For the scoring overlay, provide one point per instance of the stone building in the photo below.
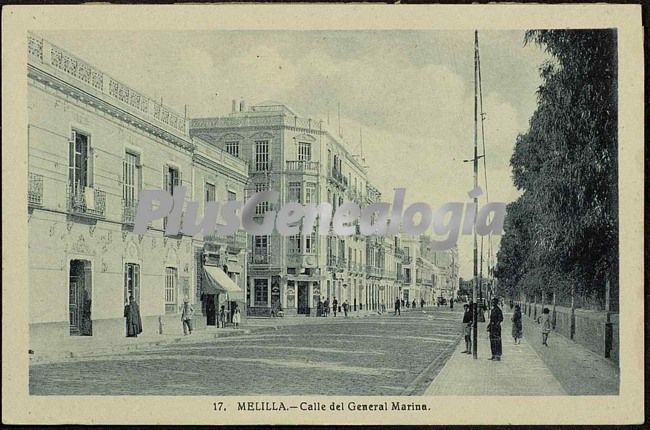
(305, 163)
(93, 144)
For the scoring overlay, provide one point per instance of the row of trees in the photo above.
(561, 234)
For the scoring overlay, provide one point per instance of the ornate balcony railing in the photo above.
(237, 240)
(129, 210)
(88, 202)
(260, 258)
(43, 52)
(35, 190)
(302, 166)
(338, 177)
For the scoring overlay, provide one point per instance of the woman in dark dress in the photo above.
(517, 327)
(133, 320)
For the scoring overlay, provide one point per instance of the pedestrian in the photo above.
(187, 312)
(517, 328)
(222, 316)
(335, 304)
(413, 304)
(345, 308)
(326, 307)
(467, 328)
(451, 304)
(421, 303)
(494, 328)
(397, 306)
(545, 319)
(133, 320)
(236, 319)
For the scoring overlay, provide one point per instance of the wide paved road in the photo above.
(378, 355)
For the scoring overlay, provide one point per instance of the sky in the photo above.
(409, 93)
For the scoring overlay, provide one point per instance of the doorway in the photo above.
(80, 298)
(210, 310)
(303, 298)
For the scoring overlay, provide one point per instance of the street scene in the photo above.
(463, 191)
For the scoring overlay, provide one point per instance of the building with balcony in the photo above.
(93, 144)
(306, 163)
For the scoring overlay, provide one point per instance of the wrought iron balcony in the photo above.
(236, 241)
(129, 210)
(87, 202)
(35, 190)
(338, 177)
(302, 166)
(260, 258)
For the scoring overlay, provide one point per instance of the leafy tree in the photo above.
(565, 224)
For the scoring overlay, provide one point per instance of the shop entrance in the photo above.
(80, 298)
(303, 298)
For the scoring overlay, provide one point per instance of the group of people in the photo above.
(326, 310)
(134, 320)
(494, 327)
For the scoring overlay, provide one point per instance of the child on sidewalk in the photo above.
(545, 320)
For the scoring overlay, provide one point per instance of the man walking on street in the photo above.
(345, 308)
(397, 306)
(187, 312)
(335, 304)
(494, 328)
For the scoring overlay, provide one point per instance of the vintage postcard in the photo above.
(323, 214)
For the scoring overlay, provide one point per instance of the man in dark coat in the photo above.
(397, 306)
(133, 320)
(494, 329)
(335, 304)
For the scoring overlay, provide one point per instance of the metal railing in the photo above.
(260, 258)
(79, 202)
(35, 190)
(302, 166)
(237, 240)
(129, 210)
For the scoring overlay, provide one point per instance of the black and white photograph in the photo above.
(366, 222)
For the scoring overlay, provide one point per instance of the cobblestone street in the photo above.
(377, 355)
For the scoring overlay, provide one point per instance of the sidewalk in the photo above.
(89, 346)
(521, 371)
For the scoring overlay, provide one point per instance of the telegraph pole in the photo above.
(474, 298)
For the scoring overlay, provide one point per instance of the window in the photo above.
(131, 282)
(310, 192)
(261, 207)
(172, 178)
(294, 192)
(81, 162)
(294, 244)
(261, 294)
(329, 160)
(260, 249)
(232, 196)
(210, 192)
(232, 148)
(132, 171)
(310, 243)
(171, 286)
(304, 151)
(262, 155)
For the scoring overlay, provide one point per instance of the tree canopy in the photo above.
(562, 232)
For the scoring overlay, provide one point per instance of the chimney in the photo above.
(242, 106)
(234, 105)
